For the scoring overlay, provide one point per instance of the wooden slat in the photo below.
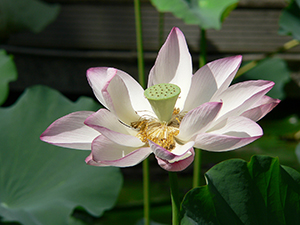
(111, 27)
(93, 33)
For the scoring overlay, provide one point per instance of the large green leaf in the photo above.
(204, 13)
(8, 72)
(19, 15)
(41, 183)
(289, 22)
(274, 69)
(259, 192)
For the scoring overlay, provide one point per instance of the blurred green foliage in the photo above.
(20, 15)
(205, 13)
(41, 183)
(289, 23)
(8, 73)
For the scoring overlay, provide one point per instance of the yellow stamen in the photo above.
(161, 133)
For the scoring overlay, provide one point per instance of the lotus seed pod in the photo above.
(162, 98)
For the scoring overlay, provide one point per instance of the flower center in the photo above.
(161, 133)
(162, 98)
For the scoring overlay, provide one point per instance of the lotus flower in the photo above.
(178, 111)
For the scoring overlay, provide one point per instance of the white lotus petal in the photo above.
(136, 93)
(198, 119)
(71, 132)
(173, 65)
(233, 133)
(109, 126)
(131, 159)
(98, 78)
(105, 149)
(111, 87)
(241, 96)
(261, 108)
(117, 99)
(104, 118)
(107, 152)
(224, 70)
(178, 165)
(212, 78)
(178, 153)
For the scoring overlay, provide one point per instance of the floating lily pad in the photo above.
(41, 183)
(259, 192)
(8, 73)
(204, 13)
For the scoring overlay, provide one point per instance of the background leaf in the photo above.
(289, 22)
(237, 192)
(41, 183)
(274, 69)
(8, 73)
(298, 151)
(204, 13)
(20, 15)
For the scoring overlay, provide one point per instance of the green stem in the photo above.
(197, 168)
(139, 42)
(174, 198)
(288, 45)
(202, 57)
(141, 76)
(198, 153)
(146, 186)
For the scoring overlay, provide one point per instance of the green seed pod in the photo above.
(162, 98)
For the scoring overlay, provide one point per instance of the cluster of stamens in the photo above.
(161, 133)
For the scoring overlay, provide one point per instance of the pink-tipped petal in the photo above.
(198, 119)
(98, 77)
(108, 125)
(239, 97)
(232, 133)
(121, 139)
(224, 70)
(89, 160)
(173, 65)
(117, 99)
(111, 87)
(179, 153)
(178, 165)
(104, 118)
(131, 159)
(136, 93)
(261, 108)
(105, 149)
(211, 78)
(108, 153)
(71, 132)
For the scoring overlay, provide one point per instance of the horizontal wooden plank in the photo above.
(93, 33)
(111, 27)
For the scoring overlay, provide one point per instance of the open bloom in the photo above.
(177, 112)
